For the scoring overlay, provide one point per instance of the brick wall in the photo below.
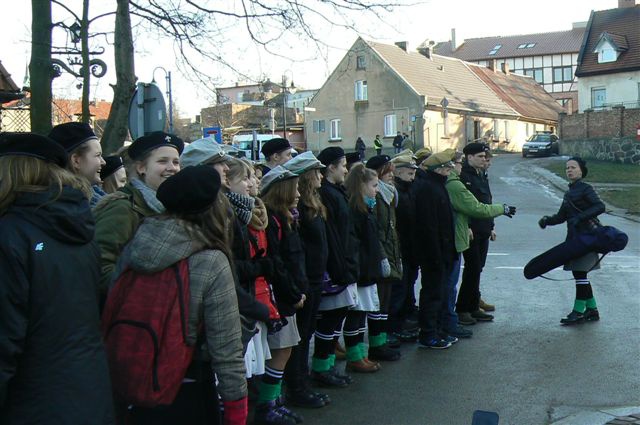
(623, 149)
(617, 122)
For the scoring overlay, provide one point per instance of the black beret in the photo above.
(203, 183)
(475, 148)
(70, 135)
(330, 155)
(34, 145)
(275, 145)
(581, 163)
(378, 161)
(352, 157)
(112, 164)
(149, 142)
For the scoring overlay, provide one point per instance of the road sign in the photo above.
(215, 132)
(147, 110)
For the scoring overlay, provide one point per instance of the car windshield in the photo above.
(541, 138)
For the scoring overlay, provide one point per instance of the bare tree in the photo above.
(40, 70)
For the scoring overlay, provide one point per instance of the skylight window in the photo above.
(495, 49)
(526, 45)
(522, 46)
(530, 45)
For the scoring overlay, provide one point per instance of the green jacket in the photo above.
(385, 212)
(467, 206)
(118, 216)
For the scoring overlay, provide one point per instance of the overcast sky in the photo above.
(308, 65)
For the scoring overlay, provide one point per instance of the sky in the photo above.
(308, 64)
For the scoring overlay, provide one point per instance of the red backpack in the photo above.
(144, 325)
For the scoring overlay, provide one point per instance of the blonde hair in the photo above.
(357, 178)
(280, 196)
(28, 174)
(310, 196)
(238, 169)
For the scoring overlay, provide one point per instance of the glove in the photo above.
(543, 222)
(509, 211)
(236, 412)
(386, 267)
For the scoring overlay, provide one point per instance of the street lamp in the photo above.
(286, 90)
(167, 75)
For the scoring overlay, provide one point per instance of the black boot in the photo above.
(573, 318)
(591, 315)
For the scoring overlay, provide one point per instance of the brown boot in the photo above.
(486, 307)
(361, 366)
(373, 362)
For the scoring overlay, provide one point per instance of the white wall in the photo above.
(621, 87)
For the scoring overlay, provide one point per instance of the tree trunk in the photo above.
(40, 68)
(117, 127)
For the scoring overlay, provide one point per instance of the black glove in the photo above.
(509, 211)
(543, 222)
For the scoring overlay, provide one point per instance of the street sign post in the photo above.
(215, 132)
(147, 110)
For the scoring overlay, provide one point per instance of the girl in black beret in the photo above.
(154, 158)
(49, 268)
(113, 174)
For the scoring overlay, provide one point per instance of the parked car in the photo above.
(540, 144)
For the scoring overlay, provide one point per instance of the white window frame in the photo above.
(361, 92)
(390, 125)
(594, 91)
(361, 62)
(607, 54)
(336, 129)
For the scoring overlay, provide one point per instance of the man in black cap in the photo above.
(276, 152)
(469, 306)
(353, 158)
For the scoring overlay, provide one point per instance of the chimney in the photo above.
(454, 46)
(626, 3)
(493, 65)
(577, 25)
(402, 45)
(426, 49)
(505, 68)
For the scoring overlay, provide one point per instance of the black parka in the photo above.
(370, 253)
(313, 231)
(478, 184)
(343, 262)
(53, 368)
(434, 232)
(405, 219)
(580, 204)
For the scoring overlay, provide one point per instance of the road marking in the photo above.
(507, 267)
(498, 253)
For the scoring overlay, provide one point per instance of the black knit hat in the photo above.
(155, 140)
(581, 163)
(203, 183)
(274, 146)
(331, 154)
(34, 145)
(112, 164)
(475, 148)
(352, 157)
(70, 135)
(378, 161)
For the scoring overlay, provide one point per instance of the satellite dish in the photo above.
(147, 110)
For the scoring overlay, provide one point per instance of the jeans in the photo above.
(449, 315)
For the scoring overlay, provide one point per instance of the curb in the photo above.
(561, 184)
(622, 415)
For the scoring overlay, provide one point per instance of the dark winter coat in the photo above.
(53, 368)
(478, 184)
(313, 231)
(434, 232)
(583, 198)
(343, 263)
(405, 219)
(289, 280)
(385, 212)
(368, 248)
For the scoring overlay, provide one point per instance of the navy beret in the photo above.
(475, 148)
(352, 157)
(70, 135)
(155, 140)
(203, 183)
(275, 145)
(330, 155)
(378, 161)
(112, 164)
(34, 145)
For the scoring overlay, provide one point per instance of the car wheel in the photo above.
(524, 155)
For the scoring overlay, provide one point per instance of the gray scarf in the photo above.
(149, 195)
(242, 205)
(388, 193)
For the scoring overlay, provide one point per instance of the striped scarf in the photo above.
(242, 206)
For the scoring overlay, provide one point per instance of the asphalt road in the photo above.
(524, 365)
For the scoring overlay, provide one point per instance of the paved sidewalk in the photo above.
(629, 415)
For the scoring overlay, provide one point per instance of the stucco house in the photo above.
(441, 102)
(609, 60)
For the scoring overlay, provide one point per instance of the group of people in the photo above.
(325, 247)
(400, 141)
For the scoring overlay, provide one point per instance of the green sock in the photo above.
(580, 305)
(591, 303)
(320, 365)
(354, 353)
(332, 360)
(268, 392)
(363, 349)
(377, 340)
